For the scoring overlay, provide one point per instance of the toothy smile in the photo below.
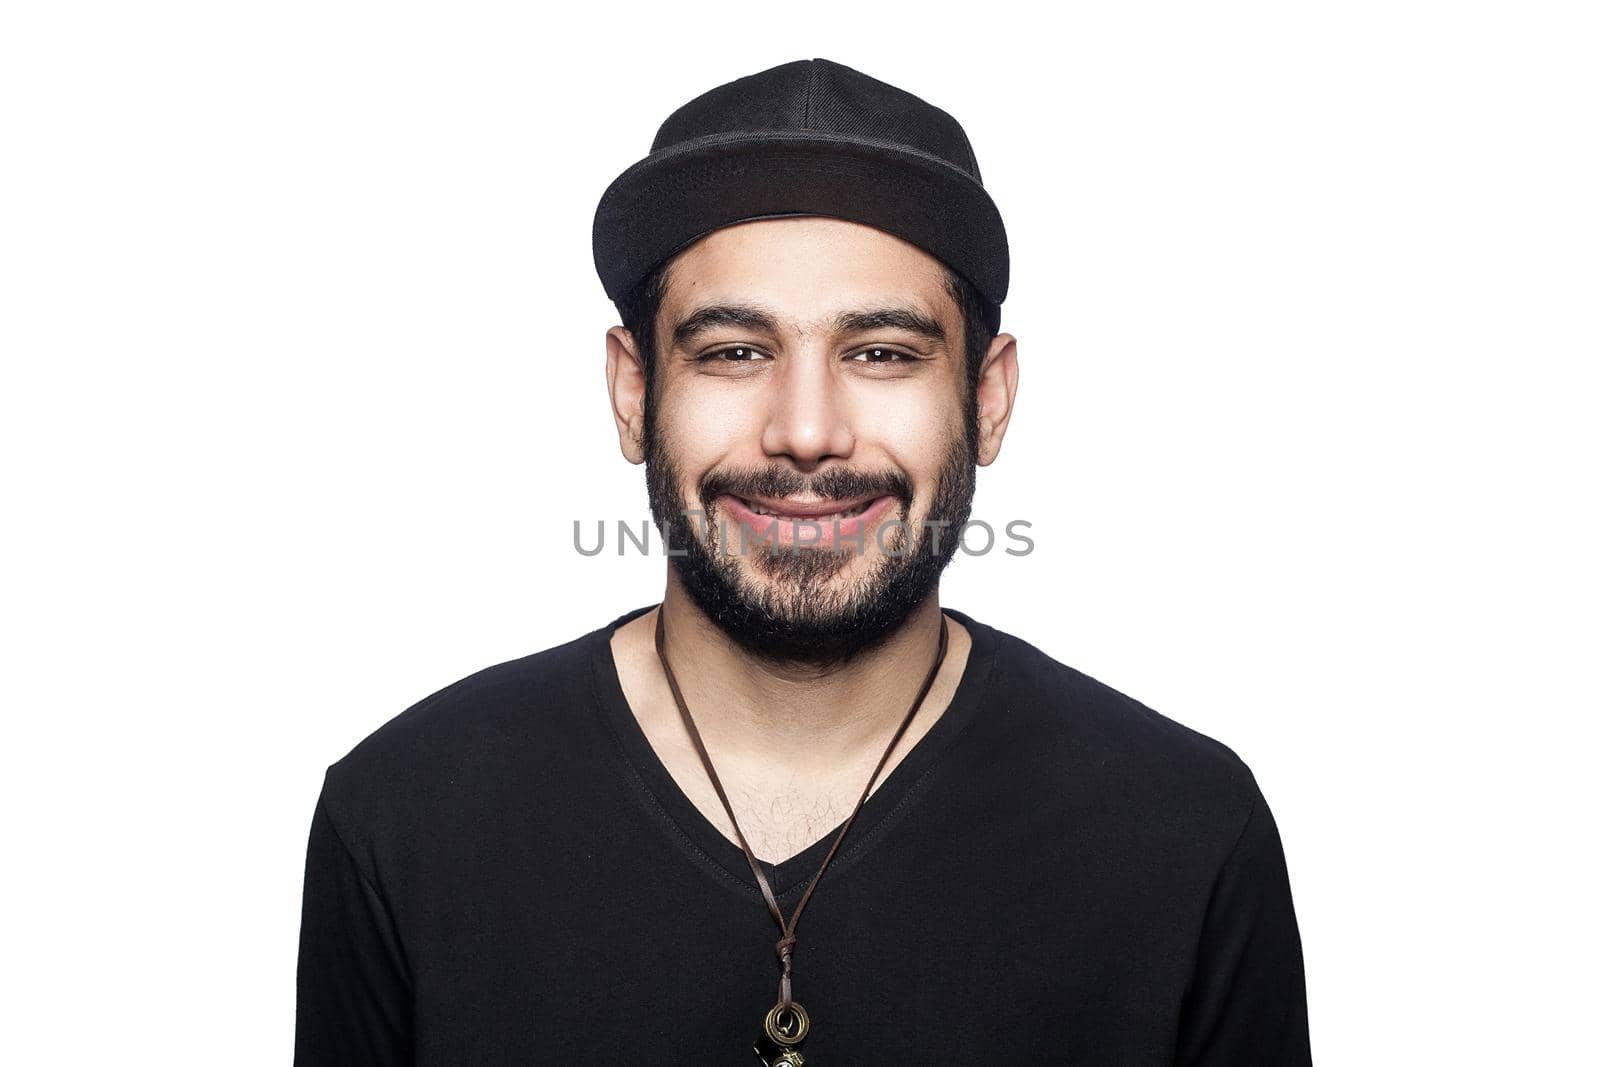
(797, 511)
(819, 521)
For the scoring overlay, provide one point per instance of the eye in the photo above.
(879, 354)
(732, 354)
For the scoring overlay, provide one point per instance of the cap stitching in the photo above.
(811, 84)
(766, 136)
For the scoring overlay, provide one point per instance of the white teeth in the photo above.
(856, 510)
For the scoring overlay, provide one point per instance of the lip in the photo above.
(808, 523)
(806, 509)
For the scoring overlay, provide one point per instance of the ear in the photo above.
(997, 392)
(624, 378)
(625, 383)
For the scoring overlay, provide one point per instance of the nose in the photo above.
(807, 418)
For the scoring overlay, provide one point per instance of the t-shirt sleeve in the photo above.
(353, 1002)
(1246, 1004)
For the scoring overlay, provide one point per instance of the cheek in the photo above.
(915, 433)
(703, 428)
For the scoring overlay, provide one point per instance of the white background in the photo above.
(303, 388)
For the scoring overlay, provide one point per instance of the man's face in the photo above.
(811, 416)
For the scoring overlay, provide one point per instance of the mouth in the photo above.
(794, 510)
(801, 522)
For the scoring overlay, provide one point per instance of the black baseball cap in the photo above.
(811, 137)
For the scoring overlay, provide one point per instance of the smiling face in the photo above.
(812, 439)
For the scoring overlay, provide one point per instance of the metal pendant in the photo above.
(785, 1026)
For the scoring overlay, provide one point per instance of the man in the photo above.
(603, 852)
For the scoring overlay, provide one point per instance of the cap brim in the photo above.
(671, 198)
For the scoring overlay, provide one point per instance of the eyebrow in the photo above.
(750, 317)
(892, 318)
(714, 315)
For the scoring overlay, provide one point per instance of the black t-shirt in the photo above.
(506, 873)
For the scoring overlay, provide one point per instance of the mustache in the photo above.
(779, 482)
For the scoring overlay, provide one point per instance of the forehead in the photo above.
(806, 269)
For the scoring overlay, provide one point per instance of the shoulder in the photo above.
(1100, 745)
(465, 739)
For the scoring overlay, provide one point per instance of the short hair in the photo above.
(642, 306)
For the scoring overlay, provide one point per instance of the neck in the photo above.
(754, 711)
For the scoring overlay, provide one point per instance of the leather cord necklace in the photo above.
(787, 1024)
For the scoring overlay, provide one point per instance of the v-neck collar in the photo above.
(708, 843)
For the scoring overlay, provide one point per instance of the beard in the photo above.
(799, 618)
